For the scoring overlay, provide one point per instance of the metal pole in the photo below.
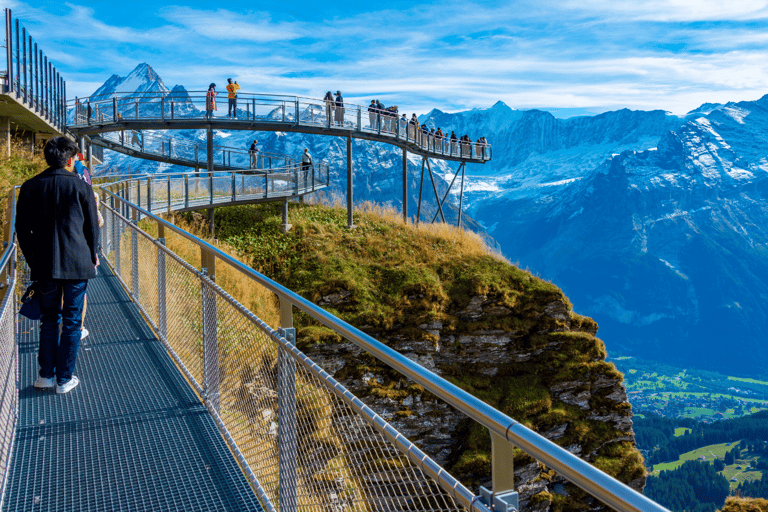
(461, 194)
(162, 313)
(18, 67)
(286, 406)
(434, 189)
(350, 223)
(9, 48)
(405, 185)
(135, 259)
(24, 61)
(210, 340)
(209, 150)
(421, 187)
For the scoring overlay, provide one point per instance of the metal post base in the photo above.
(506, 501)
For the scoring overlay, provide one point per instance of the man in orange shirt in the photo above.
(232, 89)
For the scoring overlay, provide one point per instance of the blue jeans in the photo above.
(60, 301)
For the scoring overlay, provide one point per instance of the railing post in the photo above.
(136, 101)
(297, 111)
(9, 48)
(210, 335)
(502, 497)
(114, 108)
(186, 190)
(162, 313)
(359, 119)
(234, 187)
(296, 180)
(135, 259)
(162, 108)
(149, 194)
(117, 235)
(286, 406)
(169, 194)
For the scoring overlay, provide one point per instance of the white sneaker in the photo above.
(43, 383)
(84, 333)
(68, 386)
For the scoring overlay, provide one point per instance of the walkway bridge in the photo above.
(191, 401)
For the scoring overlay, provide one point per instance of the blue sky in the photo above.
(566, 56)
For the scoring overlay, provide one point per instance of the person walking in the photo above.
(232, 89)
(210, 101)
(254, 152)
(57, 229)
(339, 109)
(330, 104)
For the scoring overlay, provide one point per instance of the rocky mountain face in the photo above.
(665, 247)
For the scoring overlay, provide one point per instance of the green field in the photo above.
(751, 381)
(706, 453)
(679, 431)
(709, 454)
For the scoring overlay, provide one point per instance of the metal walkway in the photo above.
(133, 436)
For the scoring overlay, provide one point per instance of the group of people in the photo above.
(435, 140)
(210, 99)
(382, 118)
(334, 108)
(57, 228)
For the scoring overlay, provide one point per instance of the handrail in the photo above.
(592, 480)
(116, 111)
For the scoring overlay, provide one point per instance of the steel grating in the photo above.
(132, 436)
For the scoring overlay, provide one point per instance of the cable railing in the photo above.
(31, 77)
(251, 108)
(229, 349)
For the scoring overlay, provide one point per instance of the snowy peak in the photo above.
(142, 79)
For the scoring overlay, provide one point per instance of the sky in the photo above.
(569, 57)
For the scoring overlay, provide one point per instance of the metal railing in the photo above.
(31, 77)
(9, 352)
(278, 109)
(233, 359)
(165, 192)
(193, 154)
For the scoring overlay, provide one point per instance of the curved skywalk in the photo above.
(260, 112)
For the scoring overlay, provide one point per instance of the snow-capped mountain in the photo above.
(653, 224)
(666, 247)
(141, 80)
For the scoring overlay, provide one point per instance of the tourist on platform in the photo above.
(330, 105)
(339, 109)
(403, 126)
(431, 139)
(254, 152)
(439, 139)
(210, 101)
(57, 229)
(413, 124)
(373, 114)
(306, 160)
(424, 135)
(232, 89)
(454, 140)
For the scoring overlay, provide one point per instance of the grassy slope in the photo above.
(401, 277)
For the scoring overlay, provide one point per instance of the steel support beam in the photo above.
(405, 185)
(350, 220)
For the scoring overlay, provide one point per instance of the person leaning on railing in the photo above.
(330, 104)
(339, 109)
(57, 229)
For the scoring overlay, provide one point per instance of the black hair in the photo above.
(212, 85)
(58, 151)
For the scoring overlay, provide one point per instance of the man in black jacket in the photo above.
(58, 231)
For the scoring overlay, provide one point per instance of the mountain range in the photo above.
(653, 224)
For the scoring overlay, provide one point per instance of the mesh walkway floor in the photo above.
(132, 436)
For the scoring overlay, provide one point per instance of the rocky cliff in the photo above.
(502, 334)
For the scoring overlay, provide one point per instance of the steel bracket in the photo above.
(505, 501)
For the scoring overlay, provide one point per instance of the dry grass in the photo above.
(745, 505)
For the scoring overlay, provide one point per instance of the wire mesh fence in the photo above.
(299, 433)
(9, 366)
